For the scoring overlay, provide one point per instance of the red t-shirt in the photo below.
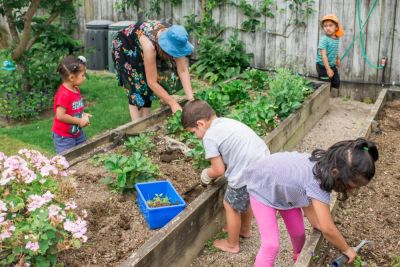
(73, 103)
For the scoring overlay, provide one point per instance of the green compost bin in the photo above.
(112, 32)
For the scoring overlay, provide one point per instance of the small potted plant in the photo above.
(159, 202)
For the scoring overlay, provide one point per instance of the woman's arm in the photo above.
(150, 66)
(329, 230)
(183, 73)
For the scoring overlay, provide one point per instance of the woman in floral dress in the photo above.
(138, 52)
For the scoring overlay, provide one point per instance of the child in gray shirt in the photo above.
(230, 146)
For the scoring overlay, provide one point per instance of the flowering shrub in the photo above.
(37, 220)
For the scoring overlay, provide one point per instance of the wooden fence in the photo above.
(298, 48)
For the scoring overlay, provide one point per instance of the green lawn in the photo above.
(106, 101)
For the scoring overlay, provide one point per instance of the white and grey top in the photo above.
(284, 181)
(237, 144)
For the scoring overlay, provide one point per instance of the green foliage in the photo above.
(218, 61)
(395, 261)
(140, 143)
(287, 91)
(153, 10)
(257, 79)
(29, 90)
(358, 261)
(173, 125)
(209, 243)
(259, 114)
(224, 95)
(129, 170)
(197, 153)
(159, 201)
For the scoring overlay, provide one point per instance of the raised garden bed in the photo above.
(373, 214)
(116, 228)
(310, 254)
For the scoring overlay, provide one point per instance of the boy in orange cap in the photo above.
(328, 59)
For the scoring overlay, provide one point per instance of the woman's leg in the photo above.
(134, 112)
(293, 219)
(144, 112)
(269, 233)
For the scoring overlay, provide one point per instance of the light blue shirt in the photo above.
(332, 49)
(284, 181)
(237, 144)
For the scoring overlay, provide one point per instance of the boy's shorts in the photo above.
(63, 143)
(237, 198)
(323, 76)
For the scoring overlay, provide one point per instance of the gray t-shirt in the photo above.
(284, 181)
(237, 144)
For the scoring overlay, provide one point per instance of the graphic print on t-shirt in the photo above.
(75, 129)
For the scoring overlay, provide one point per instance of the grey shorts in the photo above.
(237, 198)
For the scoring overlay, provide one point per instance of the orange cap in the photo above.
(339, 32)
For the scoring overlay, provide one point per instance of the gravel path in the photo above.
(344, 120)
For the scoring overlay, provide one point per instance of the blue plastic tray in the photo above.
(160, 216)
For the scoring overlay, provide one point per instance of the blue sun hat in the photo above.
(175, 41)
(8, 65)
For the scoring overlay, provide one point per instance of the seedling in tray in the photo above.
(160, 201)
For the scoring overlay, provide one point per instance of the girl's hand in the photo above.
(330, 73)
(86, 117)
(83, 122)
(351, 254)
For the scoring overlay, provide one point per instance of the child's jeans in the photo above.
(269, 231)
(323, 76)
(63, 143)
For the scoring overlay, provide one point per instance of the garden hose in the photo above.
(361, 26)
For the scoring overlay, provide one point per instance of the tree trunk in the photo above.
(21, 48)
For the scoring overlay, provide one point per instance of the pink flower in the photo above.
(70, 205)
(54, 210)
(46, 170)
(36, 201)
(34, 246)
(3, 206)
(60, 162)
(7, 230)
(76, 228)
(7, 175)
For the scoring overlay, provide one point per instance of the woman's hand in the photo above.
(175, 106)
(351, 254)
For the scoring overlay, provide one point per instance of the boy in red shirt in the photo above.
(68, 105)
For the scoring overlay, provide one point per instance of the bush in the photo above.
(36, 219)
(25, 94)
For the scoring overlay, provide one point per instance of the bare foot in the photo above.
(223, 245)
(242, 234)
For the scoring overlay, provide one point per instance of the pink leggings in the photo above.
(269, 231)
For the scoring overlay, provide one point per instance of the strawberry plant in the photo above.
(173, 125)
(140, 143)
(257, 79)
(197, 153)
(129, 170)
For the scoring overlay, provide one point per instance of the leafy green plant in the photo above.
(257, 79)
(358, 261)
(287, 92)
(173, 125)
(140, 143)
(395, 261)
(217, 62)
(160, 201)
(38, 219)
(197, 153)
(99, 159)
(129, 170)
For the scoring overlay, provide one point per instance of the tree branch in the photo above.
(20, 49)
(11, 24)
(37, 34)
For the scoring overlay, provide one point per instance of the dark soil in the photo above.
(374, 213)
(115, 226)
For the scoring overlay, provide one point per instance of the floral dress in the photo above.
(127, 55)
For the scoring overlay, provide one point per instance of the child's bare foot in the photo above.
(242, 234)
(223, 245)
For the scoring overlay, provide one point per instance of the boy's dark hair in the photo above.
(196, 110)
(70, 65)
(351, 161)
